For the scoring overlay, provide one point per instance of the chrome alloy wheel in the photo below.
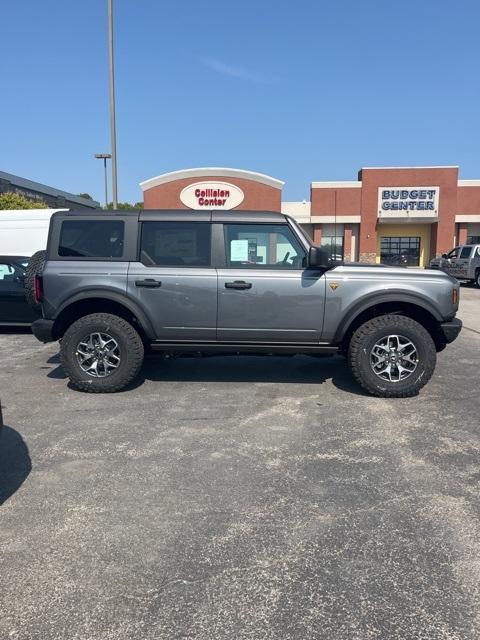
(394, 358)
(98, 355)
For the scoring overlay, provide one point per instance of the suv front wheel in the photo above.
(392, 356)
(101, 353)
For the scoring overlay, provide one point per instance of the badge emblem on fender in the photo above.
(334, 285)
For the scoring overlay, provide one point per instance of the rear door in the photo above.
(265, 293)
(173, 280)
(13, 305)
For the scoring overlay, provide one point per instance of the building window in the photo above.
(334, 246)
(400, 251)
(473, 240)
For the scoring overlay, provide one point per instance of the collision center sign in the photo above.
(411, 200)
(211, 195)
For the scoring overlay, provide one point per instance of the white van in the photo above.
(24, 231)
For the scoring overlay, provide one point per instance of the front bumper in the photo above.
(451, 329)
(43, 330)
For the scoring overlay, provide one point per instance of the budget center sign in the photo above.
(211, 195)
(411, 201)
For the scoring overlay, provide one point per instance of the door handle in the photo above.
(149, 283)
(238, 284)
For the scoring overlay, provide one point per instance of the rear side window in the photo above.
(465, 252)
(91, 239)
(176, 244)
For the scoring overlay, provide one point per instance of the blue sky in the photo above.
(301, 90)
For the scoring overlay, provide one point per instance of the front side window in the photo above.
(91, 239)
(263, 246)
(465, 252)
(9, 276)
(453, 253)
(172, 244)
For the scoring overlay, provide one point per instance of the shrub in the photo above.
(11, 200)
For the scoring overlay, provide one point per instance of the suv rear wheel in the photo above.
(101, 353)
(392, 356)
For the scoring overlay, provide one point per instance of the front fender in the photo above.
(351, 313)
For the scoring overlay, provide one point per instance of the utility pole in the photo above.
(113, 131)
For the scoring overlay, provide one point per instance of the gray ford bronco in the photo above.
(115, 285)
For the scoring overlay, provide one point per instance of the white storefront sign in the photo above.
(211, 195)
(410, 201)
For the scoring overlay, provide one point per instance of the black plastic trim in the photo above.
(363, 305)
(43, 330)
(451, 329)
(243, 347)
(102, 294)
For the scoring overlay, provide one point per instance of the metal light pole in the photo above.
(113, 131)
(104, 157)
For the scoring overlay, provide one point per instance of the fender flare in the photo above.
(352, 313)
(114, 296)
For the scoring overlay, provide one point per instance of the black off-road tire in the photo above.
(130, 346)
(35, 265)
(368, 334)
(477, 278)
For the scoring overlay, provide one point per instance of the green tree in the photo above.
(11, 200)
(126, 206)
(85, 195)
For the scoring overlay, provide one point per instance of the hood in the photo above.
(385, 272)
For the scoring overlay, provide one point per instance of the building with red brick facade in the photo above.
(396, 215)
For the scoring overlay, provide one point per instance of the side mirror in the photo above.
(444, 255)
(318, 257)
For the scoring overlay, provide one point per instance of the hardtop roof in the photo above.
(182, 214)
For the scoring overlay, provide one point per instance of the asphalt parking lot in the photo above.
(240, 498)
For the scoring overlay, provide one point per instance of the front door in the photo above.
(265, 293)
(459, 268)
(13, 305)
(174, 282)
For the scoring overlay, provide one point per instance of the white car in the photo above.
(24, 231)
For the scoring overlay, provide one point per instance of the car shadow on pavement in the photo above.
(15, 462)
(276, 369)
(13, 330)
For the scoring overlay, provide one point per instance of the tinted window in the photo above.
(182, 244)
(465, 252)
(263, 245)
(91, 239)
